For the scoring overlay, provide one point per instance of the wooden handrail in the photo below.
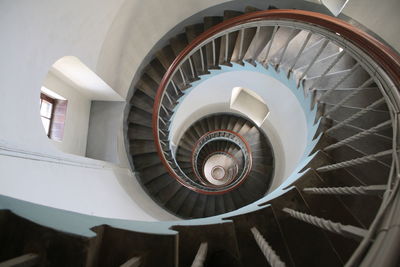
(382, 55)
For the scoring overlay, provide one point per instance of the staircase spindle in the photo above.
(182, 76)
(191, 67)
(203, 66)
(226, 47)
(241, 34)
(214, 52)
(271, 256)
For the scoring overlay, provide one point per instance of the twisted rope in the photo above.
(345, 99)
(330, 90)
(358, 136)
(353, 190)
(321, 223)
(356, 115)
(271, 256)
(353, 162)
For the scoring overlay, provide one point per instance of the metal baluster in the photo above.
(335, 227)
(316, 82)
(354, 162)
(161, 119)
(292, 35)
(356, 115)
(226, 47)
(175, 88)
(345, 99)
(192, 68)
(241, 34)
(351, 190)
(169, 99)
(269, 45)
(359, 135)
(165, 110)
(202, 60)
(351, 72)
(183, 76)
(299, 53)
(321, 49)
(271, 256)
(201, 255)
(214, 53)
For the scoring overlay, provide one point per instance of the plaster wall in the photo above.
(105, 123)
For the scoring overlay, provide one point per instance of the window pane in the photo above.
(46, 124)
(45, 109)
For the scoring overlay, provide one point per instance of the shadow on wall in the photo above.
(80, 113)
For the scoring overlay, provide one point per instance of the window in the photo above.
(53, 109)
(46, 111)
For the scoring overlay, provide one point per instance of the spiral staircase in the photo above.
(339, 207)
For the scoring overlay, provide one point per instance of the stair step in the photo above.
(140, 117)
(142, 101)
(176, 202)
(146, 175)
(139, 132)
(161, 182)
(145, 160)
(200, 206)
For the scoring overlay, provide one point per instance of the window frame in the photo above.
(52, 101)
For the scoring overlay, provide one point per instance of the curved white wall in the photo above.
(285, 125)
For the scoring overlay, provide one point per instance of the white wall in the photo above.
(106, 118)
(77, 118)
